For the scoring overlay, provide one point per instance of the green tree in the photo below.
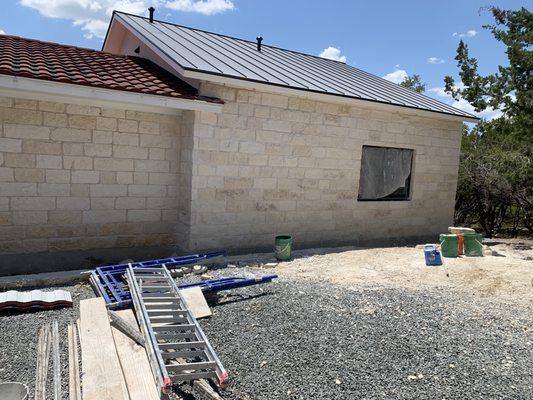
(495, 187)
(414, 82)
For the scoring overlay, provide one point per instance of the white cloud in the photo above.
(470, 33)
(333, 53)
(435, 60)
(2, 32)
(206, 7)
(92, 16)
(464, 105)
(397, 76)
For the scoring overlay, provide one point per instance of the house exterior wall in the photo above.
(76, 177)
(271, 164)
(79, 178)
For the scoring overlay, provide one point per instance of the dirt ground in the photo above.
(505, 273)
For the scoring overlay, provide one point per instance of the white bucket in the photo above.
(13, 391)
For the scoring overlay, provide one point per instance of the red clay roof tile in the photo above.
(69, 64)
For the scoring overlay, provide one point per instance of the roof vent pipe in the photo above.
(151, 11)
(259, 40)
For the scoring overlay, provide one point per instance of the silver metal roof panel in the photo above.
(212, 53)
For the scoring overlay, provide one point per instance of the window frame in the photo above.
(409, 183)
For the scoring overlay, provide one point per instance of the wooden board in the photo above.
(134, 360)
(101, 370)
(73, 363)
(196, 301)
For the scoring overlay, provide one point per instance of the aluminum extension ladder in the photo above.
(177, 347)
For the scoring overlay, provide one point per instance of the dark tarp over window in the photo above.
(384, 172)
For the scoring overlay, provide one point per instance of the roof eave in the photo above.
(22, 87)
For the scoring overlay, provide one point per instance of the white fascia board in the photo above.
(323, 97)
(12, 86)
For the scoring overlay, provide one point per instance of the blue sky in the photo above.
(381, 37)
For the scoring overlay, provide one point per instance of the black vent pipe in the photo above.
(151, 11)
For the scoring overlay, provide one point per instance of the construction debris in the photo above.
(196, 302)
(13, 299)
(56, 360)
(126, 328)
(73, 363)
(43, 355)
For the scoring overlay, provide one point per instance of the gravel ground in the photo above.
(303, 340)
(18, 340)
(295, 339)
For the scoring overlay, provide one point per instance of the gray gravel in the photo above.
(18, 340)
(301, 340)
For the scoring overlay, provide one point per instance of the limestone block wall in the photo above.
(271, 164)
(77, 177)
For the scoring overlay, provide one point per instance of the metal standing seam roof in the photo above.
(212, 53)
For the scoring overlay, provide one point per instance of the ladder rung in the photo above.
(158, 296)
(183, 345)
(155, 287)
(169, 320)
(196, 366)
(162, 300)
(175, 335)
(163, 312)
(183, 354)
(170, 328)
(192, 376)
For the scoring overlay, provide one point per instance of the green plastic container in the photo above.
(283, 247)
(449, 244)
(473, 244)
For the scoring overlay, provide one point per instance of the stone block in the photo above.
(102, 203)
(50, 162)
(152, 166)
(125, 203)
(26, 131)
(6, 218)
(128, 125)
(130, 152)
(111, 164)
(10, 145)
(124, 177)
(41, 147)
(53, 189)
(77, 162)
(73, 203)
(126, 139)
(20, 116)
(71, 135)
(103, 190)
(19, 160)
(6, 175)
(85, 176)
(29, 175)
(57, 176)
(30, 217)
(72, 149)
(147, 190)
(102, 137)
(106, 124)
(64, 217)
(103, 216)
(156, 141)
(97, 149)
(52, 106)
(143, 215)
(82, 121)
(33, 203)
(82, 109)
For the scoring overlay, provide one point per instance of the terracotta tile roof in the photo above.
(69, 64)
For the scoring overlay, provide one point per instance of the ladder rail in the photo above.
(156, 361)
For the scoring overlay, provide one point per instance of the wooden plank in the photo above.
(134, 360)
(73, 363)
(57, 360)
(196, 301)
(126, 328)
(43, 355)
(101, 371)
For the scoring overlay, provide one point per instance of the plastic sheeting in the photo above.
(383, 171)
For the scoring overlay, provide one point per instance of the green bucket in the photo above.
(449, 244)
(283, 247)
(473, 244)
